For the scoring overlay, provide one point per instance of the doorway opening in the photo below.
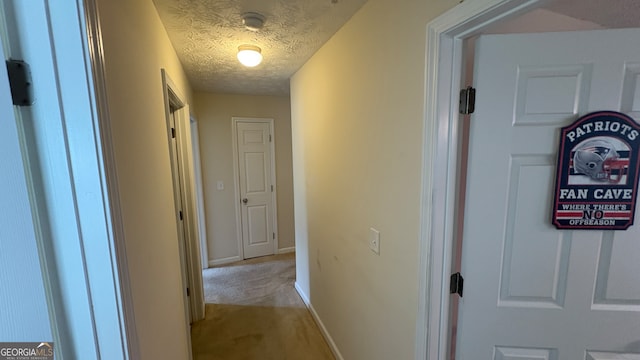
(182, 168)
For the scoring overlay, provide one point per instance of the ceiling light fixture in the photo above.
(249, 55)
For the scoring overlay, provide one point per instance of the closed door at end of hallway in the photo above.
(255, 172)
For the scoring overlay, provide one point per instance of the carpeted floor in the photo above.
(254, 312)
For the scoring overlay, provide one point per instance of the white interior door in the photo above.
(188, 202)
(183, 234)
(25, 312)
(255, 168)
(531, 291)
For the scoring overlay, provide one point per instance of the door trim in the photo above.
(443, 68)
(183, 194)
(93, 38)
(81, 172)
(236, 180)
(199, 192)
(173, 98)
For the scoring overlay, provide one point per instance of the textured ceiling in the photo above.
(206, 35)
(607, 13)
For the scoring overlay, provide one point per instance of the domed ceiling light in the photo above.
(249, 55)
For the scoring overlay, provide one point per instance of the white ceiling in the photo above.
(206, 35)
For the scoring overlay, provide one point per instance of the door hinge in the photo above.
(457, 284)
(273, 236)
(180, 214)
(269, 137)
(173, 133)
(20, 82)
(271, 188)
(188, 292)
(467, 100)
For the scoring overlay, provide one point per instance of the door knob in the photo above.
(245, 200)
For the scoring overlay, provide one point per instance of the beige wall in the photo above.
(214, 113)
(136, 48)
(357, 119)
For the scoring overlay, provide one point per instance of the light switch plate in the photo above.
(374, 240)
(220, 185)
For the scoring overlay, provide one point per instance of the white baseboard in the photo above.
(316, 318)
(287, 250)
(231, 259)
(224, 261)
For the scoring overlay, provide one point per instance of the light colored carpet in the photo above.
(266, 281)
(254, 312)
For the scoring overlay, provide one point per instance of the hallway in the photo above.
(254, 312)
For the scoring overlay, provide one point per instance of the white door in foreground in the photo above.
(531, 291)
(25, 316)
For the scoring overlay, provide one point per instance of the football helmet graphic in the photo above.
(599, 160)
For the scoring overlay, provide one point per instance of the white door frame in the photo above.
(73, 184)
(183, 193)
(444, 68)
(173, 99)
(236, 180)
